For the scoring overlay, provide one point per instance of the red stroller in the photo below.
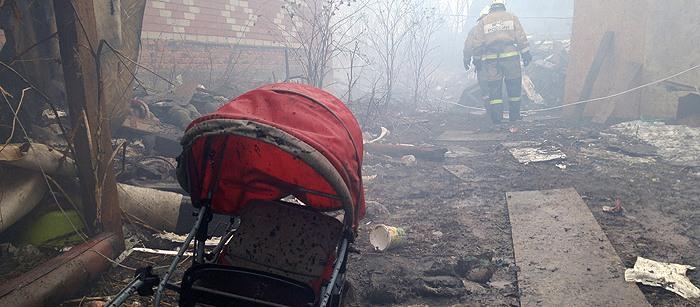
(281, 141)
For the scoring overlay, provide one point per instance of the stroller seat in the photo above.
(284, 239)
(281, 253)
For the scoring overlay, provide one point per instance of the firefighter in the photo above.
(501, 43)
(471, 59)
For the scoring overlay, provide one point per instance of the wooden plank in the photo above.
(91, 128)
(604, 50)
(469, 136)
(565, 258)
(625, 78)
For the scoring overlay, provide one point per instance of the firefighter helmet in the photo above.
(484, 12)
(501, 4)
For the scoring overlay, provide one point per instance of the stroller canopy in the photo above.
(274, 141)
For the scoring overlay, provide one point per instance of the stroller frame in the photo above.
(330, 291)
(199, 232)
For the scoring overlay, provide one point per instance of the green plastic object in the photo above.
(53, 229)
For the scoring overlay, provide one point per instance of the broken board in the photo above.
(527, 152)
(527, 155)
(460, 171)
(167, 137)
(626, 77)
(469, 136)
(564, 257)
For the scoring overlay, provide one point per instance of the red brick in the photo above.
(252, 63)
(177, 7)
(211, 11)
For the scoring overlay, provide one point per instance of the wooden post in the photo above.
(78, 41)
(604, 50)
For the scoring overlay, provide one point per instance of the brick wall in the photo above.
(236, 41)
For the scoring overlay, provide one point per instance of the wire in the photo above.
(121, 58)
(15, 113)
(133, 75)
(519, 17)
(8, 67)
(617, 94)
(119, 53)
(47, 100)
(592, 99)
(17, 57)
(461, 105)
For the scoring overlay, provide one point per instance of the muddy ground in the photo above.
(452, 223)
(448, 219)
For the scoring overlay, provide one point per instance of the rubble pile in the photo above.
(159, 119)
(548, 70)
(47, 219)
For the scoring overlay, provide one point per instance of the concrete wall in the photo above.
(223, 43)
(653, 38)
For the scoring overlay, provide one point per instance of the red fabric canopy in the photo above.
(251, 169)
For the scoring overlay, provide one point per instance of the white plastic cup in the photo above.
(385, 237)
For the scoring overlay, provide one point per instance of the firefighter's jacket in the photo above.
(499, 35)
(470, 45)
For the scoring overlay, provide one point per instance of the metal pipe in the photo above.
(51, 282)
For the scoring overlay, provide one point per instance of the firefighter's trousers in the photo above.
(496, 72)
